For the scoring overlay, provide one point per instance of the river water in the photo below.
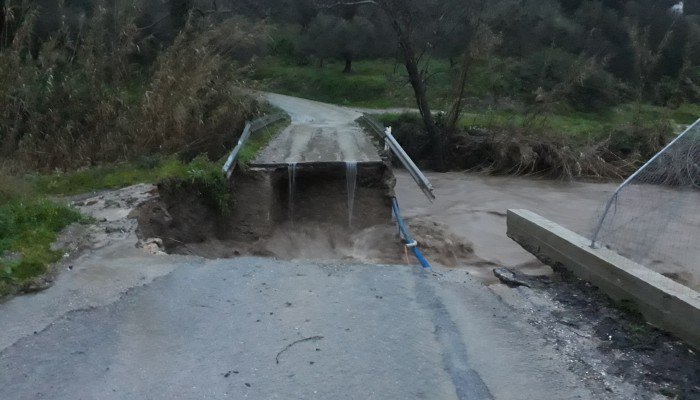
(473, 207)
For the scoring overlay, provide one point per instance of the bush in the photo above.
(63, 108)
(640, 142)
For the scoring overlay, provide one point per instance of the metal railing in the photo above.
(250, 128)
(392, 144)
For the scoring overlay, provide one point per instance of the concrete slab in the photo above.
(663, 302)
(319, 133)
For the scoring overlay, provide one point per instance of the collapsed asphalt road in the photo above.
(123, 320)
(128, 321)
(216, 330)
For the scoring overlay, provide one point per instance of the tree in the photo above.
(415, 23)
(347, 39)
(418, 26)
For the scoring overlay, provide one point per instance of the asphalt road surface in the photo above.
(229, 329)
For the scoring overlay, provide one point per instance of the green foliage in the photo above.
(192, 104)
(29, 222)
(578, 126)
(370, 85)
(566, 145)
(83, 103)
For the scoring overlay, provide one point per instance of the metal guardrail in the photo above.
(250, 128)
(418, 176)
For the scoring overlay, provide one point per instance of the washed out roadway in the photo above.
(124, 324)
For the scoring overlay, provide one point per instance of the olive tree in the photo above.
(346, 39)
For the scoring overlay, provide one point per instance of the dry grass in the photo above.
(82, 103)
(522, 149)
(191, 105)
(518, 154)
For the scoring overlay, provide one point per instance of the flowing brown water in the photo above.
(351, 181)
(473, 207)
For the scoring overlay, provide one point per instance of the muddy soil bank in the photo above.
(378, 244)
(531, 150)
(309, 213)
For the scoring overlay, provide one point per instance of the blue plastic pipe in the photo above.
(406, 235)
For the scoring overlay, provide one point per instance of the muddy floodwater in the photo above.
(473, 207)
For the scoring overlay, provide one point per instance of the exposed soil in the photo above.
(317, 226)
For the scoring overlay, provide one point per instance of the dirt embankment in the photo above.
(300, 214)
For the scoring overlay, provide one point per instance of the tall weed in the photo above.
(78, 101)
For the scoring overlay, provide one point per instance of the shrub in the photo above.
(529, 147)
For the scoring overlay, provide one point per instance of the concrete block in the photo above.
(663, 302)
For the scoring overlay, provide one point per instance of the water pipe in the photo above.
(406, 236)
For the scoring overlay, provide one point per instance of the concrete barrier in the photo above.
(663, 302)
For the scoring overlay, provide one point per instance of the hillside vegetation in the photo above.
(618, 76)
(101, 94)
(84, 109)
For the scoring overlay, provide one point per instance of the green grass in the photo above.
(206, 176)
(383, 84)
(374, 84)
(28, 227)
(577, 125)
(31, 218)
(108, 177)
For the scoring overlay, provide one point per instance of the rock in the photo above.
(509, 277)
(114, 229)
(152, 245)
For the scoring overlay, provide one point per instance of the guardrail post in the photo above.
(250, 127)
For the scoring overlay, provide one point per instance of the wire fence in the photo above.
(653, 217)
